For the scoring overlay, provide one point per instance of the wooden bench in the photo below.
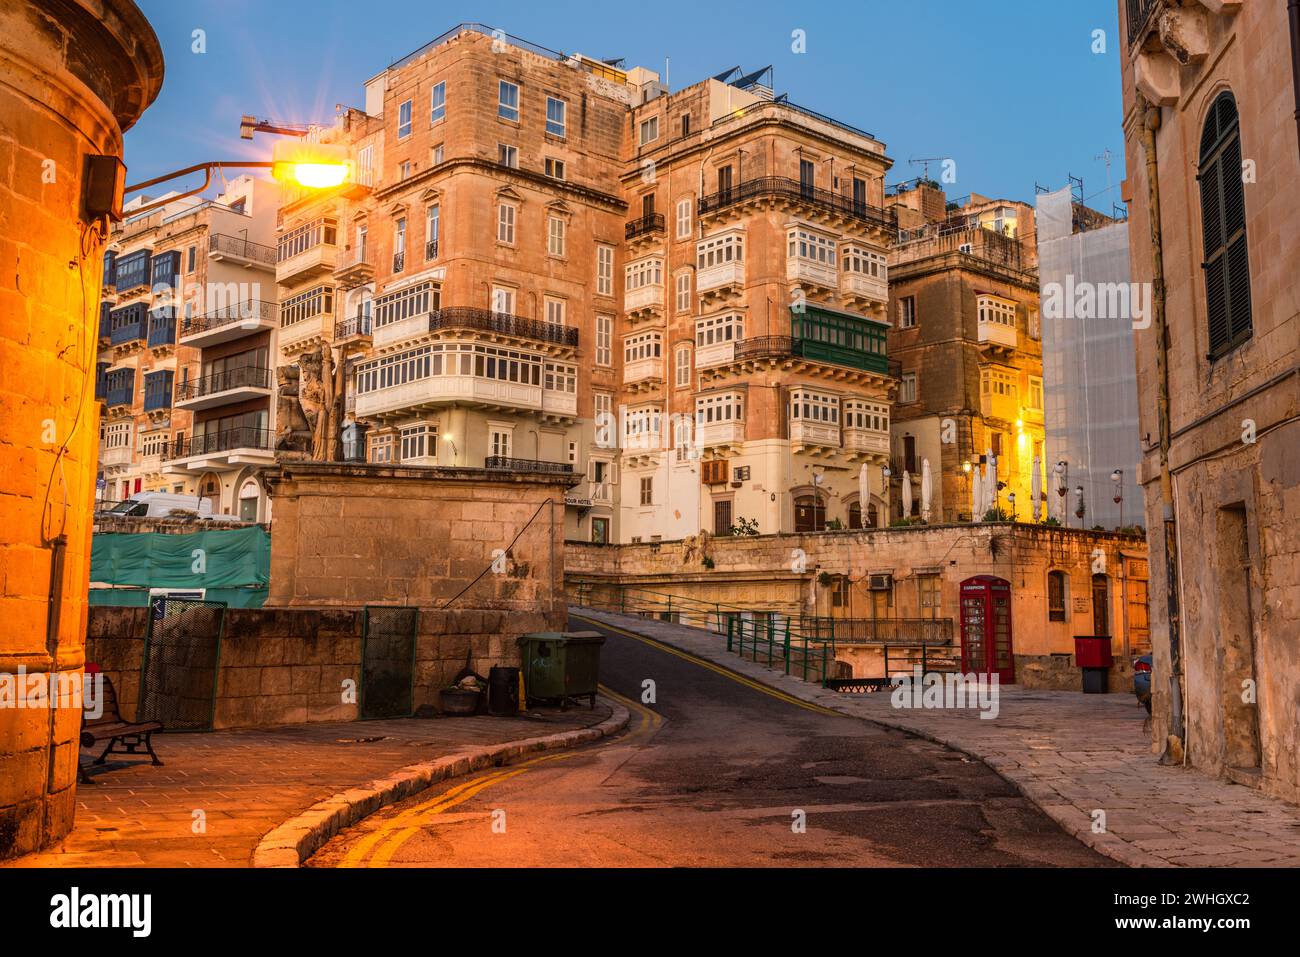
(110, 727)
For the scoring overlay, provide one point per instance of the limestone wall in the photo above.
(288, 666)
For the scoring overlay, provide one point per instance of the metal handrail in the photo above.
(358, 325)
(254, 377)
(918, 631)
(527, 465)
(470, 317)
(242, 437)
(235, 312)
(785, 188)
(1139, 14)
(235, 246)
(651, 223)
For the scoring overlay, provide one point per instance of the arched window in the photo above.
(809, 514)
(855, 515)
(873, 518)
(1223, 226)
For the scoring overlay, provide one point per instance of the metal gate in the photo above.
(388, 662)
(182, 656)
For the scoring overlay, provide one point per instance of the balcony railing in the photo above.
(358, 325)
(226, 440)
(528, 465)
(242, 248)
(468, 317)
(782, 187)
(650, 223)
(235, 312)
(243, 377)
(399, 262)
(1139, 12)
(431, 249)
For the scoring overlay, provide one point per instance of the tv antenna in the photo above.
(924, 162)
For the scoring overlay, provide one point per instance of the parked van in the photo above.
(165, 505)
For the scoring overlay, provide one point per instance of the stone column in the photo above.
(73, 76)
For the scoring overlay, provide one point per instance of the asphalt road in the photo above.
(717, 772)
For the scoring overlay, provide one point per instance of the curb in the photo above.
(297, 839)
(1046, 800)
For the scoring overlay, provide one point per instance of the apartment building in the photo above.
(184, 370)
(1211, 145)
(966, 334)
(500, 288)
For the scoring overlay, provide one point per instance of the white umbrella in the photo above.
(991, 483)
(864, 493)
(926, 490)
(976, 494)
(907, 494)
(1036, 487)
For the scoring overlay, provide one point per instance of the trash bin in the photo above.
(561, 665)
(1092, 655)
(503, 691)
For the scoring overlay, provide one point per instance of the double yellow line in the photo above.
(396, 832)
(717, 669)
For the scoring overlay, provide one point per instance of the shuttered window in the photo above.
(1223, 225)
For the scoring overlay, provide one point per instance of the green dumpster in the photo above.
(561, 665)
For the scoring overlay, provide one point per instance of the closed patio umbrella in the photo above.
(991, 483)
(907, 494)
(864, 493)
(1036, 486)
(926, 490)
(976, 494)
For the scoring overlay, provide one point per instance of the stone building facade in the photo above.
(186, 332)
(1213, 183)
(545, 262)
(73, 76)
(966, 333)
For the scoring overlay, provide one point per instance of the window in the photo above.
(1035, 393)
(508, 101)
(432, 216)
(1000, 383)
(907, 312)
(861, 414)
(719, 407)
(604, 340)
(603, 416)
(508, 155)
(649, 130)
(684, 292)
(399, 245)
(309, 304)
(1035, 324)
(554, 236)
(189, 258)
(555, 311)
(683, 366)
(554, 168)
(684, 218)
(714, 329)
(604, 270)
(646, 345)
(414, 300)
(864, 262)
(927, 587)
(641, 427)
(438, 102)
(404, 169)
(809, 514)
(404, 120)
(647, 490)
(506, 223)
(599, 531)
(802, 244)
(724, 181)
(366, 165)
(383, 448)
(1056, 589)
(809, 406)
(859, 194)
(840, 592)
(721, 516)
(686, 124)
(807, 174)
(909, 453)
(719, 251)
(643, 272)
(995, 444)
(907, 390)
(437, 154)
(1223, 229)
(419, 441)
(999, 311)
(561, 377)
(499, 442)
(503, 300)
(555, 116)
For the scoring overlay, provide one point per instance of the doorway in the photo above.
(1236, 634)
(1100, 606)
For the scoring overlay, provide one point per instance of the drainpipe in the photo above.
(1293, 10)
(1151, 119)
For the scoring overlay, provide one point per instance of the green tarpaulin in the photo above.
(232, 564)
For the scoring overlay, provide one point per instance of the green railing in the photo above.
(763, 635)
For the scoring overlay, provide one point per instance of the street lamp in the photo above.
(1117, 477)
(1011, 500)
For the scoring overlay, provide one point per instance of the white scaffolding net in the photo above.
(1089, 313)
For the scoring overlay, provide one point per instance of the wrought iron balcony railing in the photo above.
(357, 325)
(651, 223)
(243, 248)
(235, 312)
(431, 249)
(527, 465)
(226, 440)
(399, 262)
(468, 317)
(1139, 13)
(783, 187)
(251, 377)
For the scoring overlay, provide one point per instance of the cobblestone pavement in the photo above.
(247, 782)
(1072, 754)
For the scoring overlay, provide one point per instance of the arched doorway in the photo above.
(250, 500)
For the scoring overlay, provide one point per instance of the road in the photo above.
(717, 771)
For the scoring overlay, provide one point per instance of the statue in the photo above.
(293, 434)
(697, 548)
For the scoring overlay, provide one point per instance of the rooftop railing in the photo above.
(782, 187)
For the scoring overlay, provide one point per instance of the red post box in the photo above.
(1092, 651)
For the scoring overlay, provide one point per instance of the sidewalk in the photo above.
(1069, 753)
(247, 783)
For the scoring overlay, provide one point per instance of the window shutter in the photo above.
(1223, 224)
(1239, 289)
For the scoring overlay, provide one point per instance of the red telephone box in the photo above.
(986, 628)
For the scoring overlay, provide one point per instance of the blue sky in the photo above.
(1010, 89)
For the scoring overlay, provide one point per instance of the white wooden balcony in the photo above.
(559, 403)
(446, 390)
(997, 334)
(311, 262)
(721, 281)
(866, 442)
(647, 300)
(808, 273)
(862, 288)
(720, 433)
(718, 354)
(394, 334)
(808, 434)
(643, 370)
(306, 333)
